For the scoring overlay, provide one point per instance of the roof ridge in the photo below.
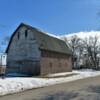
(37, 29)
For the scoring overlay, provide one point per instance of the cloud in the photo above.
(84, 34)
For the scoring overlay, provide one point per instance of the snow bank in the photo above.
(14, 85)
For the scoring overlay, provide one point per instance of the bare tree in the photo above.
(4, 43)
(85, 52)
(75, 44)
(92, 47)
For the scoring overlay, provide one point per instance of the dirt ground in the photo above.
(84, 89)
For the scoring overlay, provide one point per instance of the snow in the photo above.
(18, 84)
(49, 34)
(52, 35)
(83, 35)
(60, 74)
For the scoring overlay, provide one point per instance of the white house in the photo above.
(3, 59)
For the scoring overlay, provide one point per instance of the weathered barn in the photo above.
(33, 52)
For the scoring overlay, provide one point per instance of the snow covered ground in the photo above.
(17, 84)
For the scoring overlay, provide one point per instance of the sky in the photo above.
(54, 16)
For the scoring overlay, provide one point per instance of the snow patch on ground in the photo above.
(60, 74)
(14, 85)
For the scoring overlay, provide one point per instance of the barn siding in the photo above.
(54, 65)
(52, 62)
(23, 54)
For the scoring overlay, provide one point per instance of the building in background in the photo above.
(3, 60)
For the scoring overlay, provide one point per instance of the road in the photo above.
(37, 94)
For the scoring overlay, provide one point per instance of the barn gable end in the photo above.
(23, 55)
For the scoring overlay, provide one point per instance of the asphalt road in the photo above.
(37, 94)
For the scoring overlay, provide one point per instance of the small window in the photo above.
(26, 33)
(18, 36)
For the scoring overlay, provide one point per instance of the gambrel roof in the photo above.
(45, 41)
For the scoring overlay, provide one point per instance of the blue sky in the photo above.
(53, 16)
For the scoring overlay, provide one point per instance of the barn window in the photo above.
(18, 36)
(26, 33)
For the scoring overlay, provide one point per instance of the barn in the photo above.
(33, 52)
